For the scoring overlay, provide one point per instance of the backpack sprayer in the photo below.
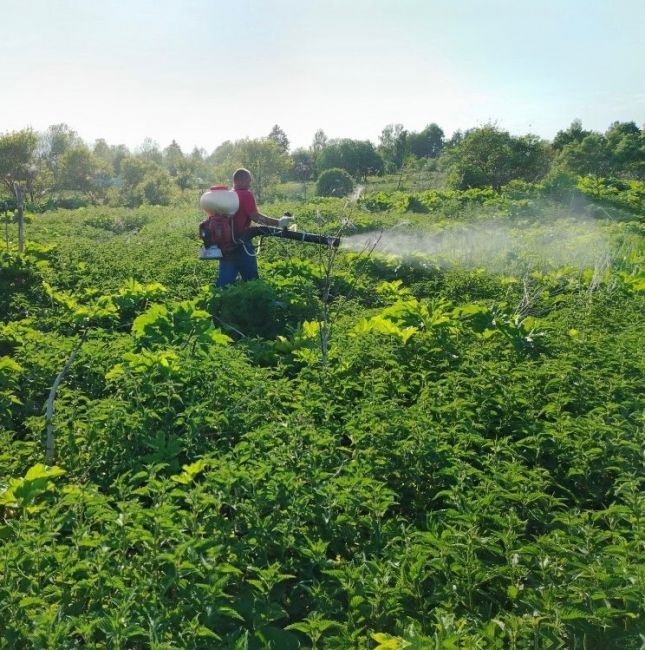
(218, 233)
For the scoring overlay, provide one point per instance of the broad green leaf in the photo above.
(389, 642)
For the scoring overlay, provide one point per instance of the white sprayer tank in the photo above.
(220, 200)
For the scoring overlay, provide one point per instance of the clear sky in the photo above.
(204, 71)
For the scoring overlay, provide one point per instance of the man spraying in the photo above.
(223, 232)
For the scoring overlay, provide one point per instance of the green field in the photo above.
(431, 439)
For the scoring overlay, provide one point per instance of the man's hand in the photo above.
(285, 222)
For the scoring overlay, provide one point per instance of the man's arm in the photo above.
(258, 217)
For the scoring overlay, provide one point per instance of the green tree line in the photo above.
(57, 166)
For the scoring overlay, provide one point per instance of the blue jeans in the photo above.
(243, 262)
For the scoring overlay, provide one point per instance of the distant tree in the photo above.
(186, 173)
(198, 154)
(149, 149)
(157, 187)
(390, 134)
(531, 158)
(302, 165)
(145, 181)
(81, 170)
(134, 169)
(427, 143)
(626, 143)
(222, 153)
(121, 152)
(334, 182)
(102, 150)
(111, 154)
(318, 144)
(618, 130)
(575, 133)
(223, 161)
(394, 145)
(591, 155)
(481, 159)
(455, 139)
(53, 143)
(202, 169)
(357, 157)
(172, 156)
(17, 171)
(182, 169)
(280, 138)
(264, 159)
(17, 155)
(490, 157)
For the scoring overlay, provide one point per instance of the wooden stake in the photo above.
(49, 417)
(20, 204)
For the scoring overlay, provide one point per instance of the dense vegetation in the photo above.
(360, 450)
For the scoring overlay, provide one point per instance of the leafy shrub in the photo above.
(179, 323)
(133, 295)
(381, 201)
(628, 194)
(262, 308)
(119, 223)
(559, 183)
(20, 274)
(9, 372)
(334, 182)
